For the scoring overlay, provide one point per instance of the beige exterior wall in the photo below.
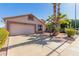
(24, 19)
(37, 23)
(25, 25)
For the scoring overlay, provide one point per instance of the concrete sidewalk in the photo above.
(72, 50)
(66, 49)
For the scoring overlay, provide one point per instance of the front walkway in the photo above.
(36, 45)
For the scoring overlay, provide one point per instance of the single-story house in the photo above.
(24, 24)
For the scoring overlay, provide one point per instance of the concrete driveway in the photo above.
(33, 45)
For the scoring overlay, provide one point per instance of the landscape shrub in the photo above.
(70, 32)
(3, 36)
(64, 24)
(57, 29)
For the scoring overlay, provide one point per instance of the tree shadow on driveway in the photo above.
(40, 40)
(37, 40)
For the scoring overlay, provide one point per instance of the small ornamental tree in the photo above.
(50, 27)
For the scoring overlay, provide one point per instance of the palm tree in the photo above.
(54, 7)
(54, 19)
(58, 11)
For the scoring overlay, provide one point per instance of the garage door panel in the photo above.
(19, 29)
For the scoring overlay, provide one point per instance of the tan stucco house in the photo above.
(24, 24)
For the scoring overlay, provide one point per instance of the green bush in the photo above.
(50, 27)
(64, 24)
(70, 32)
(3, 36)
(57, 29)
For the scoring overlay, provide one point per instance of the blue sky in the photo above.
(69, 9)
(40, 10)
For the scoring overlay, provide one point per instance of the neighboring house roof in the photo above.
(6, 18)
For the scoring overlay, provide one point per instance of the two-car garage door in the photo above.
(19, 29)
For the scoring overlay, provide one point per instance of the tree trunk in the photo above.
(56, 17)
(58, 12)
(54, 11)
(54, 7)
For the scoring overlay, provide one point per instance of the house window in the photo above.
(39, 27)
(30, 17)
